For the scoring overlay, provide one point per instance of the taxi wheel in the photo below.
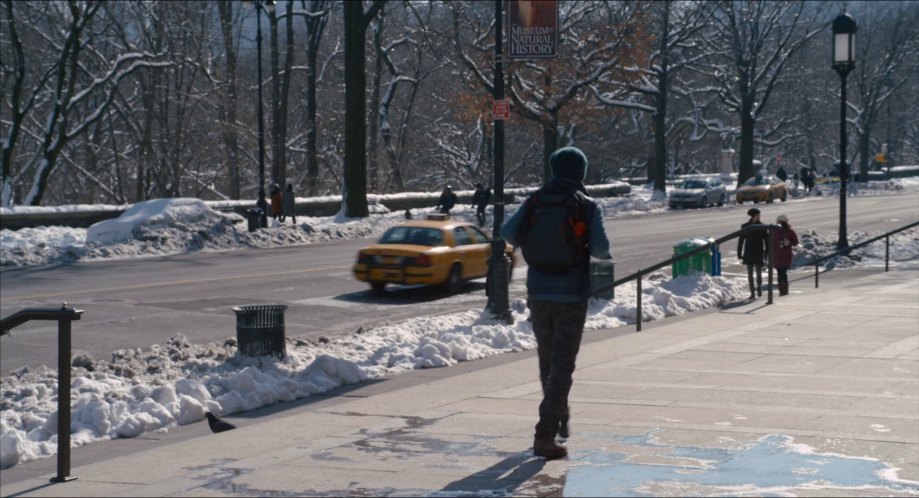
(378, 286)
(455, 279)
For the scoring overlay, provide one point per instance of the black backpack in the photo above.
(554, 231)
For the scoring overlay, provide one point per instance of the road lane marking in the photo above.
(170, 283)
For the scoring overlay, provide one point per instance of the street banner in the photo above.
(533, 29)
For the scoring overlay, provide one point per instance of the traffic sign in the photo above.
(501, 109)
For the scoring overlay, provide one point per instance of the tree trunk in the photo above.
(549, 145)
(373, 161)
(864, 143)
(659, 118)
(355, 168)
(228, 103)
(278, 157)
(747, 124)
(315, 27)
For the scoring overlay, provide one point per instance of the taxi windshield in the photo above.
(420, 236)
(758, 180)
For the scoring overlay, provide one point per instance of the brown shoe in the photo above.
(549, 449)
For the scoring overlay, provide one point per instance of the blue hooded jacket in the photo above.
(569, 167)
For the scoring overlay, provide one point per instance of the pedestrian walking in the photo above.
(783, 239)
(558, 229)
(480, 200)
(752, 249)
(290, 205)
(447, 200)
(781, 174)
(277, 201)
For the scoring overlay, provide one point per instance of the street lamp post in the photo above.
(844, 29)
(498, 264)
(262, 204)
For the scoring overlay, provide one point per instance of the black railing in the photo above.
(641, 272)
(863, 243)
(64, 315)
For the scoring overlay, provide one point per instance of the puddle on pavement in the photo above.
(773, 465)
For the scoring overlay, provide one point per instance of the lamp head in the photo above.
(844, 29)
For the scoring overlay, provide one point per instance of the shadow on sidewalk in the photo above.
(501, 479)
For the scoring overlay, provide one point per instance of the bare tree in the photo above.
(888, 46)
(675, 27)
(751, 44)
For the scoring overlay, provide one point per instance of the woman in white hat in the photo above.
(783, 239)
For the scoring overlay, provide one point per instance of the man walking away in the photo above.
(480, 200)
(558, 229)
(447, 200)
(752, 249)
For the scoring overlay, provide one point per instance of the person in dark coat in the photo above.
(447, 200)
(783, 239)
(558, 304)
(277, 201)
(781, 174)
(290, 205)
(752, 249)
(480, 200)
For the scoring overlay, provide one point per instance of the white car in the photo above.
(699, 192)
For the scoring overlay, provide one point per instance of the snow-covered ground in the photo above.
(152, 389)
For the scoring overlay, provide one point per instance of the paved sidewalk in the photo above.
(815, 395)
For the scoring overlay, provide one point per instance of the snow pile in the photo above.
(142, 390)
(172, 226)
(904, 250)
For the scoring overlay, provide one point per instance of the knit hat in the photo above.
(782, 218)
(570, 163)
(752, 212)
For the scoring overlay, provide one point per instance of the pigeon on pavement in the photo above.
(218, 425)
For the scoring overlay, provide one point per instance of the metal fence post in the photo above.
(816, 275)
(887, 253)
(771, 260)
(638, 306)
(63, 402)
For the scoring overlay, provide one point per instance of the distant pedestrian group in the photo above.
(754, 246)
(283, 204)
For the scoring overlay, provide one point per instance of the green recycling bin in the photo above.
(601, 274)
(701, 261)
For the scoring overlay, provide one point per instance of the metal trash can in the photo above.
(601, 274)
(701, 261)
(260, 329)
(254, 216)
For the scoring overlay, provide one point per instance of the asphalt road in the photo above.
(139, 302)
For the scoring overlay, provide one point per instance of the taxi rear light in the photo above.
(422, 260)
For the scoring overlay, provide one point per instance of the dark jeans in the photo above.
(558, 328)
(759, 279)
(480, 216)
(783, 274)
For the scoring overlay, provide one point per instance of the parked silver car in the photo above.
(700, 191)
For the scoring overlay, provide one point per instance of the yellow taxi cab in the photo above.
(762, 189)
(434, 251)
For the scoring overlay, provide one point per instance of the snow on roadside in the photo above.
(143, 390)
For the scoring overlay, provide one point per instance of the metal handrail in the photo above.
(64, 315)
(751, 228)
(641, 272)
(846, 250)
